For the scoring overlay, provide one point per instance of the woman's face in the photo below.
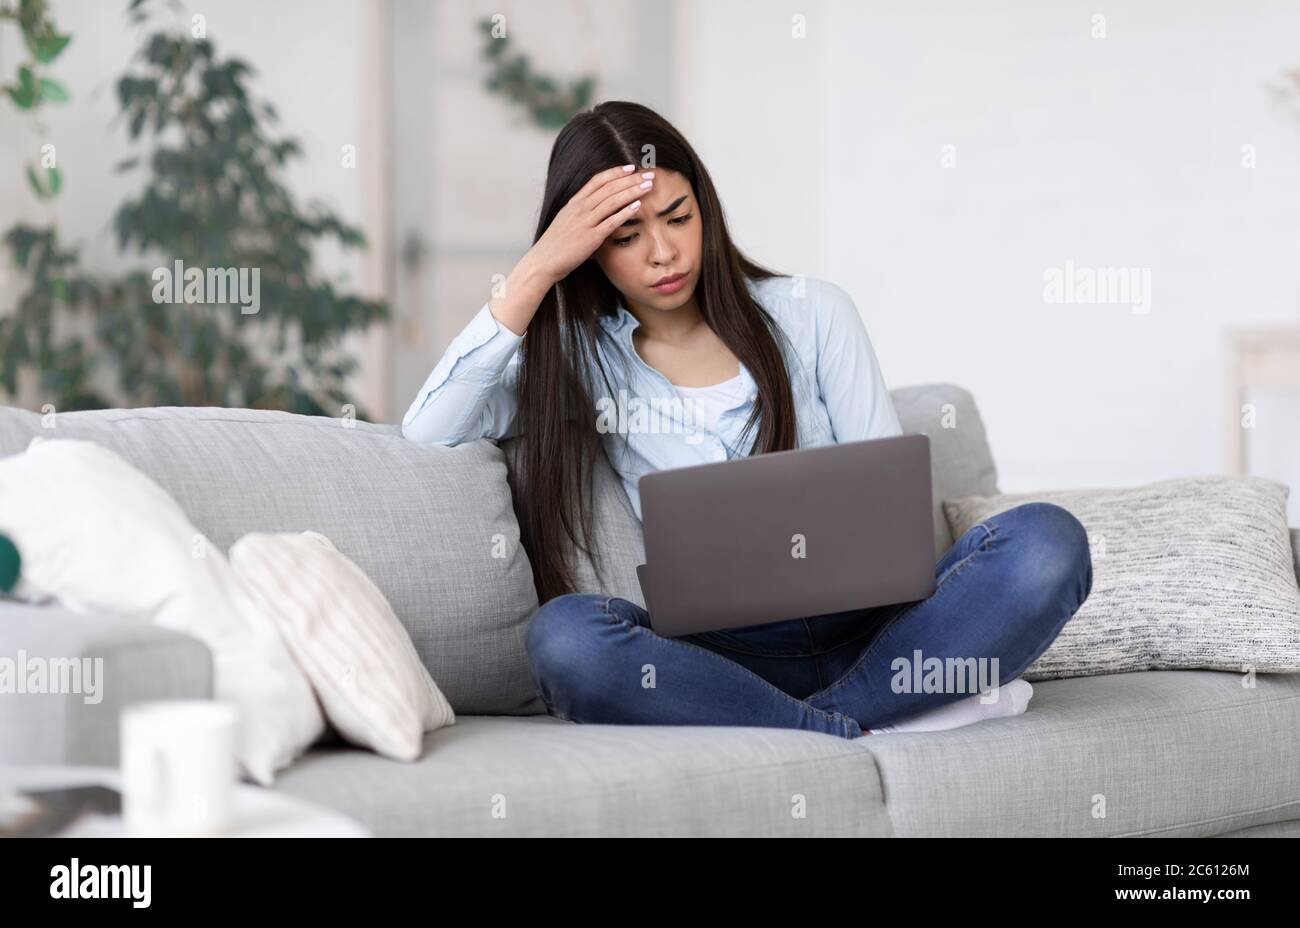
(662, 239)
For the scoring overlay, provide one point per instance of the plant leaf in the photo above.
(35, 181)
(48, 47)
(23, 97)
(53, 91)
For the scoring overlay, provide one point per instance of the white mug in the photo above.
(178, 767)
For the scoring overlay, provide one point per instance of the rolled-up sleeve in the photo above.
(848, 373)
(471, 392)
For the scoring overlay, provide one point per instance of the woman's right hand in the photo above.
(603, 204)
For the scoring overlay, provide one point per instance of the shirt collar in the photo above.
(621, 318)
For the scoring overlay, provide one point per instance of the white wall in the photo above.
(1121, 151)
(753, 103)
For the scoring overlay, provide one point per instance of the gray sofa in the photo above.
(1172, 753)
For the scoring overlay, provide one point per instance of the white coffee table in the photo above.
(259, 812)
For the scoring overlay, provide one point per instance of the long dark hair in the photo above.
(558, 438)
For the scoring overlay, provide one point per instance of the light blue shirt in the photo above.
(647, 424)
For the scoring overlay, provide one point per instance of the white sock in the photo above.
(1013, 698)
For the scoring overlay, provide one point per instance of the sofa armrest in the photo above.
(1295, 551)
(66, 677)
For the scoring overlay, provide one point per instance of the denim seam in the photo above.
(550, 709)
(830, 716)
(743, 648)
(812, 653)
(737, 646)
(875, 644)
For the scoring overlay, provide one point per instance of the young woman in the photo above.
(634, 288)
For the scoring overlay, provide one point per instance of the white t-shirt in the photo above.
(710, 402)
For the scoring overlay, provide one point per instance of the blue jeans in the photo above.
(1003, 593)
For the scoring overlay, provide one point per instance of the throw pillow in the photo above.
(347, 639)
(102, 538)
(1187, 573)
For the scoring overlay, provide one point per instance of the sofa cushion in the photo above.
(961, 464)
(541, 776)
(432, 526)
(1138, 754)
(619, 545)
(1163, 753)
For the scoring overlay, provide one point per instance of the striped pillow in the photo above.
(347, 639)
(1188, 573)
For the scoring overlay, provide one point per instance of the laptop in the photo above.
(786, 535)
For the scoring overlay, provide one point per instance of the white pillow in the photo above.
(347, 638)
(101, 537)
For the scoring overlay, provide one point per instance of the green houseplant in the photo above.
(213, 197)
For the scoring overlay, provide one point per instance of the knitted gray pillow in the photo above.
(1188, 573)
